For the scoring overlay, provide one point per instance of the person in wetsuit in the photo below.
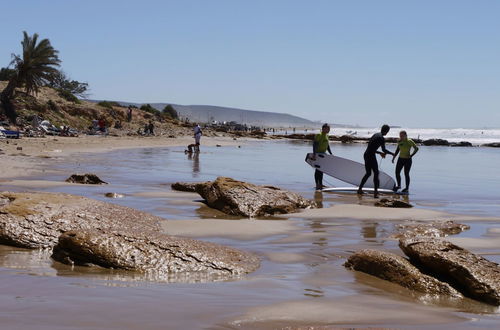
(404, 160)
(376, 141)
(320, 146)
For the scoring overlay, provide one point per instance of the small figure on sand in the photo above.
(376, 141)
(321, 145)
(405, 159)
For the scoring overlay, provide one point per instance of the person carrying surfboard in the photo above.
(405, 159)
(376, 141)
(321, 145)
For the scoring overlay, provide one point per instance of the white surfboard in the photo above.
(347, 170)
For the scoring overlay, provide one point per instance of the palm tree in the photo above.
(35, 68)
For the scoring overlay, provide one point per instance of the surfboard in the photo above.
(347, 170)
(355, 189)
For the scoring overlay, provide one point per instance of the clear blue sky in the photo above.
(421, 63)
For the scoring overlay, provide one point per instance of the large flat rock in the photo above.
(245, 199)
(396, 269)
(36, 220)
(156, 253)
(469, 273)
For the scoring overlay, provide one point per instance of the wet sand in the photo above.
(301, 282)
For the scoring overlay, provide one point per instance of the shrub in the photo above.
(67, 96)
(108, 104)
(170, 112)
(150, 109)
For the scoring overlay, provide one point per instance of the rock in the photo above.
(245, 199)
(88, 178)
(433, 229)
(153, 253)
(36, 220)
(19, 148)
(396, 269)
(492, 145)
(436, 142)
(113, 195)
(186, 186)
(460, 144)
(384, 202)
(471, 274)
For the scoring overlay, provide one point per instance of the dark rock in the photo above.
(384, 202)
(156, 253)
(186, 186)
(245, 199)
(113, 195)
(433, 229)
(88, 178)
(471, 274)
(35, 220)
(436, 142)
(396, 269)
(492, 145)
(460, 144)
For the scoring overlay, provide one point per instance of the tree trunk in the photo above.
(6, 97)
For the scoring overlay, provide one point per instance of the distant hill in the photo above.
(209, 113)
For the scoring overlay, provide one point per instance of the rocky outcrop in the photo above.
(492, 145)
(436, 142)
(471, 274)
(245, 199)
(433, 229)
(186, 186)
(86, 231)
(396, 269)
(461, 144)
(88, 178)
(113, 195)
(396, 203)
(155, 253)
(35, 220)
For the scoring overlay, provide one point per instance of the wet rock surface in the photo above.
(434, 229)
(396, 269)
(435, 142)
(394, 203)
(156, 253)
(88, 178)
(35, 220)
(471, 274)
(245, 199)
(186, 186)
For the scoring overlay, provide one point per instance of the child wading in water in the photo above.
(405, 159)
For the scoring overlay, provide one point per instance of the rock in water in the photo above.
(35, 220)
(186, 186)
(88, 178)
(384, 202)
(153, 253)
(433, 229)
(245, 199)
(396, 269)
(471, 274)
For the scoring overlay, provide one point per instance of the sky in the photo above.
(421, 63)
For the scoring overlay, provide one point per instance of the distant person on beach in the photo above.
(321, 145)
(102, 125)
(405, 159)
(197, 137)
(151, 128)
(129, 114)
(376, 141)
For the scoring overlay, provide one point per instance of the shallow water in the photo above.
(301, 281)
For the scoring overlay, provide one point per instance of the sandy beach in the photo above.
(301, 281)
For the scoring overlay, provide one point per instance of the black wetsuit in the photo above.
(376, 141)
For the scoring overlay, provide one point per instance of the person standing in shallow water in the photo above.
(405, 159)
(376, 141)
(320, 146)
(197, 137)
